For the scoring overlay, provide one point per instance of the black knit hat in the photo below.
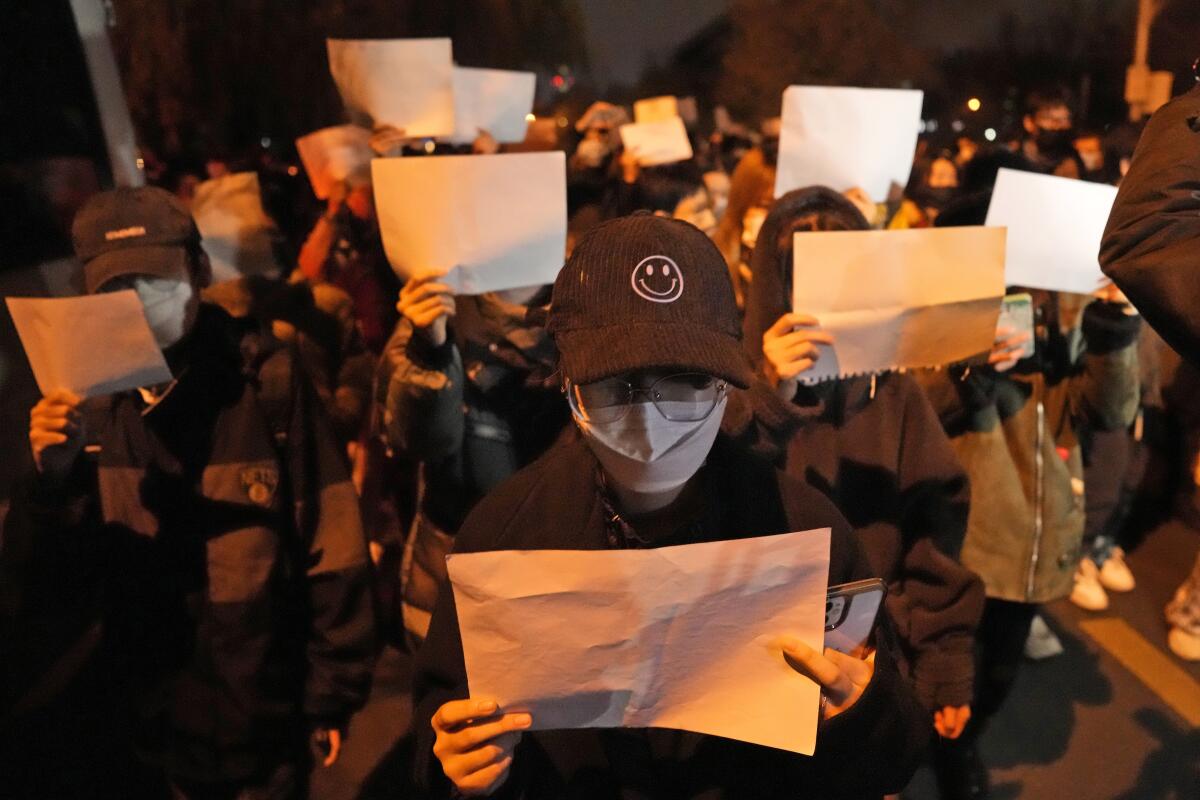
(646, 292)
(133, 231)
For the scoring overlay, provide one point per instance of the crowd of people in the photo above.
(199, 575)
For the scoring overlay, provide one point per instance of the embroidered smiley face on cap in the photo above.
(657, 279)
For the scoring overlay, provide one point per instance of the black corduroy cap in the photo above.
(133, 231)
(646, 292)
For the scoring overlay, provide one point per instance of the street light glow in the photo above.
(974, 104)
(990, 134)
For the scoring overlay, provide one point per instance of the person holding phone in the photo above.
(647, 330)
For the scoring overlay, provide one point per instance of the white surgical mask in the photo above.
(169, 305)
(592, 152)
(645, 452)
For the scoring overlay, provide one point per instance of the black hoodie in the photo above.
(876, 448)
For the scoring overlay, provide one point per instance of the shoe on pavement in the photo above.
(1041, 642)
(1087, 593)
(1114, 572)
(1183, 644)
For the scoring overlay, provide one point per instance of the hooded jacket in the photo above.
(876, 449)
(212, 545)
(1151, 247)
(557, 503)
(471, 412)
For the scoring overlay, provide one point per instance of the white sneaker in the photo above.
(1041, 643)
(1088, 594)
(1114, 573)
(1183, 644)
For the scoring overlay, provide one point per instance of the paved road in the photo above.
(1082, 725)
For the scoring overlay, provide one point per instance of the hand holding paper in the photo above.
(56, 433)
(791, 348)
(690, 637)
(657, 143)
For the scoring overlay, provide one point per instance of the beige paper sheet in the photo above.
(679, 637)
(657, 143)
(92, 345)
(482, 223)
(656, 109)
(405, 83)
(494, 100)
(843, 137)
(1054, 229)
(333, 155)
(899, 299)
(236, 232)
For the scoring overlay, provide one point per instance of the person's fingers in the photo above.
(486, 780)
(481, 757)
(45, 409)
(858, 670)
(426, 315)
(458, 712)
(813, 665)
(63, 424)
(436, 305)
(793, 344)
(43, 439)
(791, 369)
(335, 747)
(64, 396)
(473, 736)
(419, 289)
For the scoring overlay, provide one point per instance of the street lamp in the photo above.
(974, 104)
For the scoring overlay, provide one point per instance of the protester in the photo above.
(1014, 423)
(641, 479)
(464, 389)
(751, 192)
(934, 184)
(1049, 135)
(875, 447)
(1149, 249)
(209, 529)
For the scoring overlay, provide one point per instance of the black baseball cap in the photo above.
(646, 292)
(133, 231)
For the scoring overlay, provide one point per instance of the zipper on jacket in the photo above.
(1039, 468)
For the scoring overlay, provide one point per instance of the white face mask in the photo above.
(645, 452)
(592, 152)
(169, 305)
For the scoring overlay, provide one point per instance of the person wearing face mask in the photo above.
(464, 391)
(593, 171)
(934, 185)
(648, 335)
(1049, 141)
(207, 537)
(873, 445)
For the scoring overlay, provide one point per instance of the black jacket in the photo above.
(879, 453)
(1151, 247)
(557, 503)
(213, 544)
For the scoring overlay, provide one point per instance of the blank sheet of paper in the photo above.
(405, 83)
(679, 637)
(92, 345)
(494, 100)
(899, 299)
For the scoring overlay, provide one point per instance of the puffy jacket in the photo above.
(557, 503)
(214, 541)
(471, 412)
(1151, 247)
(1016, 434)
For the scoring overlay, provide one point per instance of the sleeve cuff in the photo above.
(1107, 328)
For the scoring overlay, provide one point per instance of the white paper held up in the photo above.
(482, 223)
(92, 344)
(333, 155)
(843, 137)
(236, 232)
(683, 637)
(405, 83)
(494, 100)
(1054, 229)
(657, 143)
(915, 298)
(656, 109)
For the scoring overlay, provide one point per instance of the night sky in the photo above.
(624, 34)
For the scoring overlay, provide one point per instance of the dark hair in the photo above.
(664, 186)
(1045, 98)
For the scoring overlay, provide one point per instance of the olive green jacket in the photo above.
(1015, 433)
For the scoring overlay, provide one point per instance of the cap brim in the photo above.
(159, 260)
(593, 354)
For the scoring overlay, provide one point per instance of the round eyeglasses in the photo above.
(685, 397)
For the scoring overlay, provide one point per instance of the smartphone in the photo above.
(851, 610)
(1016, 312)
